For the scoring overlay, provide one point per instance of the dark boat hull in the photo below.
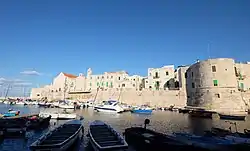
(61, 138)
(17, 132)
(147, 140)
(201, 114)
(105, 138)
(232, 117)
(39, 123)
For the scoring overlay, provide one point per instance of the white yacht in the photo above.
(109, 106)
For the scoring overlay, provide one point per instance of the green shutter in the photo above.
(111, 84)
(215, 82)
(242, 85)
(90, 84)
(107, 84)
(102, 83)
(97, 83)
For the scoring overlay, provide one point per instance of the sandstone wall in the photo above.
(153, 98)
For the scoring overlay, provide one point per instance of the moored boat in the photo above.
(58, 116)
(104, 137)
(61, 138)
(11, 113)
(109, 106)
(143, 139)
(144, 110)
(35, 122)
(201, 113)
(232, 117)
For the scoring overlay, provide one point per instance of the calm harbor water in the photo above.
(161, 121)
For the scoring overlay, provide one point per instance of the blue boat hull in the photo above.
(9, 114)
(141, 111)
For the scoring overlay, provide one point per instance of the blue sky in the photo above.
(39, 39)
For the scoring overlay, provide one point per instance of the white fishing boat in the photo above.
(104, 137)
(61, 138)
(20, 103)
(66, 106)
(58, 116)
(109, 106)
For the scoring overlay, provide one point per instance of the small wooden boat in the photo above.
(201, 113)
(35, 123)
(11, 113)
(232, 117)
(143, 139)
(184, 110)
(61, 138)
(103, 137)
(142, 110)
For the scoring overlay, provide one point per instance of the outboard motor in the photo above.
(146, 122)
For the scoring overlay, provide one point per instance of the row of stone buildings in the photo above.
(217, 84)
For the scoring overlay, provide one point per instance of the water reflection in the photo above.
(162, 121)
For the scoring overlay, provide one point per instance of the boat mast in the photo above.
(120, 95)
(97, 91)
(7, 92)
(65, 88)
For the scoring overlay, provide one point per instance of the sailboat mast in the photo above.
(7, 92)
(65, 88)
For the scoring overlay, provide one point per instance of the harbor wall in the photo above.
(160, 98)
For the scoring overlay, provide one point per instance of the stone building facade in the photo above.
(65, 83)
(161, 78)
(216, 84)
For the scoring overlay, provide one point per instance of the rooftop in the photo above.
(69, 75)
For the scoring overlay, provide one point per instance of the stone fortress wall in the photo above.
(214, 84)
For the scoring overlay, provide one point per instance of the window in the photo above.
(146, 81)
(134, 79)
(193, 85)
(107, 84)
(150, 87)
(97, 77)
(102, 83)
(186, 75)
(97, 84)
(215, 82)
(102, 77)
(37, 94)
(119, 78)
(52, 91)
(213, 69)
(107, 77)
(156, 75)
(60, 89)
(56, 91)
(166, 73)
(111, 84)
(217, 95)
(90, 77)
(150, 74)
(192, 74)
(123, 85)
(133, 85)
(90, 84)
(111, 77)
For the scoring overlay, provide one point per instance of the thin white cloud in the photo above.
(31, 72)
(22, 84)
